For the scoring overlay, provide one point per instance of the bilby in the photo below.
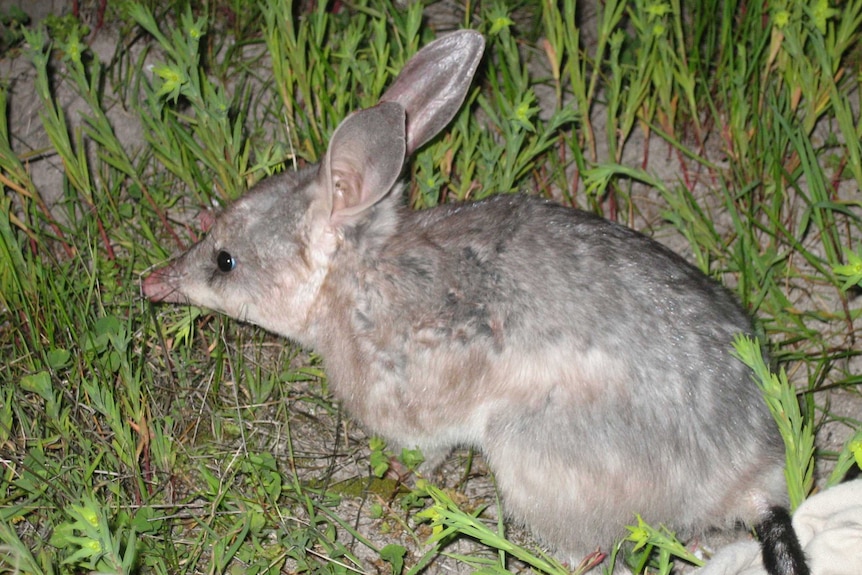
(590, 365)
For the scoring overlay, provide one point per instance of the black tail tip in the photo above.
(782, 552)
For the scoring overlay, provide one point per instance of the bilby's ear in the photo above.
(364, 160)
(433, 84)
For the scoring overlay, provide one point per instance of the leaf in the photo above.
(394, 555)
(39, 383)
(58, 358)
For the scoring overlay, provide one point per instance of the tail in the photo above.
(782, 552)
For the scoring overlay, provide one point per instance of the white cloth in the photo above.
(829, 526)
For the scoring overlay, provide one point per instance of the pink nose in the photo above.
(158, 287)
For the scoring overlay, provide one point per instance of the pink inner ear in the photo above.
(365, 157)
(346, 190)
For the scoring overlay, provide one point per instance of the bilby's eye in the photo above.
(225, 261)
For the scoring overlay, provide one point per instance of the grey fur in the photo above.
(589, 364)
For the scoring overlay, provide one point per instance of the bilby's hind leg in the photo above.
(782, 553)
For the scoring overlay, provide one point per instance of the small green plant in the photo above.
(851, 271)
(90, 542)
(797, 432)
(656, 548)
(210, 144)
(380, 458)
(850, 455)
(448, 520)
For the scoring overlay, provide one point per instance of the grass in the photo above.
(170, 440)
